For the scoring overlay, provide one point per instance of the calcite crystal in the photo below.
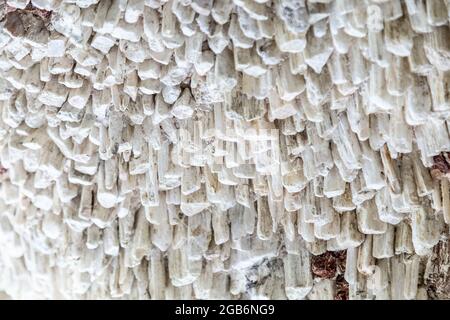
(224, 149)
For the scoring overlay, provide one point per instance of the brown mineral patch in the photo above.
(441, 166)
(327, 264)
(30, 22)
(331, 265)
(44, 14)
(324, 265)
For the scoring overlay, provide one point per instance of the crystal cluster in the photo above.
(213, 149)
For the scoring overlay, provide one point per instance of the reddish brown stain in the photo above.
(331, 265)
(441, 166)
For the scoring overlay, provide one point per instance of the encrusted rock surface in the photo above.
(224, 149)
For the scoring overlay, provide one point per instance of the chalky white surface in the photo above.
(204, 149)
